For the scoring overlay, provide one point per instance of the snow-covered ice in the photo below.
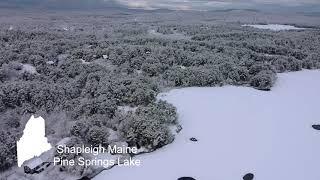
(239, 130)
(274, 27)
(33, 142)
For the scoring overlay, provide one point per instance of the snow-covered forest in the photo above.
(95, 77)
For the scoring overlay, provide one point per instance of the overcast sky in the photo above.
(207, 4)
(162, 4)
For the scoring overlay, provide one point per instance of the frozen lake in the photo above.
(274, 27)
(239, 130)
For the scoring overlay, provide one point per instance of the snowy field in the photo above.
(274, 27)
(239, 130)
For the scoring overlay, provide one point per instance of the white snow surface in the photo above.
(105, 56)
(29, 68)
(274, 27)
(239, 130)
(33, 142)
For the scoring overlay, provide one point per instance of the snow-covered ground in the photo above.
(239, 130)
(274, 27)
(29, 68)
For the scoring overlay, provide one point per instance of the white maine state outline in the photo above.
(33, 142)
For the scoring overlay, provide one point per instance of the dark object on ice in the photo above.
(38, 169)
(186, 178)
(179, 128)
(193, 139)
(85, 178)
(28, 170)
(316, 127)
(248, 176)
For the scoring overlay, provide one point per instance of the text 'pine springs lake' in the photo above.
(94, 156)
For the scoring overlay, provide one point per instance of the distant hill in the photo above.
(230, 10)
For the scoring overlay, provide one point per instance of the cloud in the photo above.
(59, 3)
(211, 4)
(171, 4)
